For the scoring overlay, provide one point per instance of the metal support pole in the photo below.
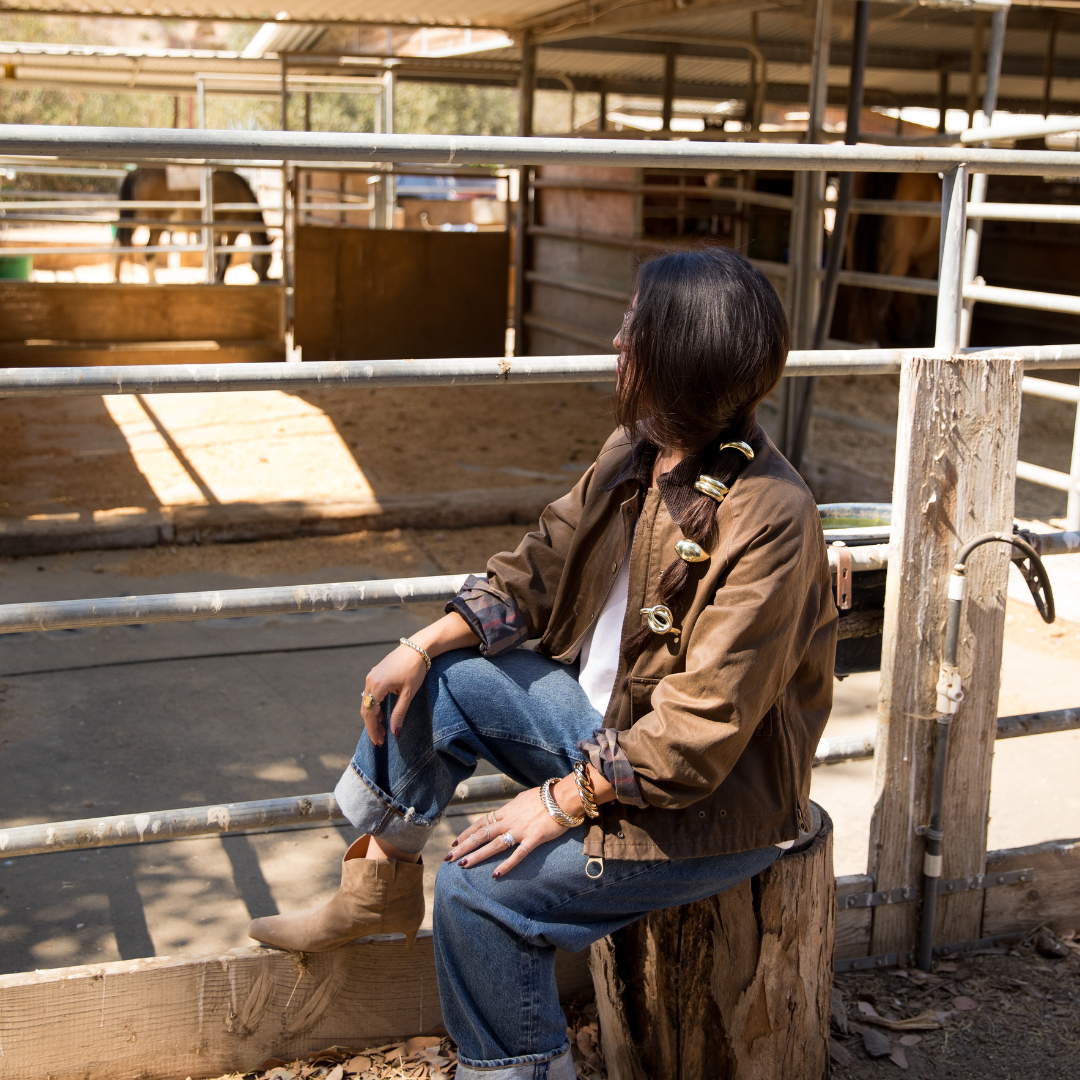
(670, 52)
(978, 30)
(601, 120)
(827, 301)
(206, 197)
(522, 212)
(980, 180)
(951, 261)
(527, 84)
(1072, 512)
(1048, 69)
(389, 82)
(942, 95)
(284, 92)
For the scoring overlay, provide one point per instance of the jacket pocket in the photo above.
(641, 692)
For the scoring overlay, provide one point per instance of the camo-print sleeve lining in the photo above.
(607, 757)
(492, 616)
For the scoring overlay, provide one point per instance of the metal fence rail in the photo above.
(592, 367)
(302, 810)
(298, 147)
(859, 747)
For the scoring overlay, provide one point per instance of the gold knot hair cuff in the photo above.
(660, 619)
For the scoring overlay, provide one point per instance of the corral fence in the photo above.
(204, 148)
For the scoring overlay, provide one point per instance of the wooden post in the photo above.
(955, 478)
(735, 987)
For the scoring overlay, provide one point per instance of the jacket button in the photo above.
(614, 567)
(723, 813)
(701, 813)
(620, 836)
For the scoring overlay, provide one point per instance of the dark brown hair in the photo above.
(705, 342)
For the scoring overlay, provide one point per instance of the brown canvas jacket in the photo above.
(721, 723)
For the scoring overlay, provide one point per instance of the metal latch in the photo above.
(955, 885)
(843, 575)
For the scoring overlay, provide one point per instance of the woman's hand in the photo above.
(524, 818)
(401, 673)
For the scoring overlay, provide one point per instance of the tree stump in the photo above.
(735, 987)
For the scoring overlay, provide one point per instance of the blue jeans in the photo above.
(495, 940)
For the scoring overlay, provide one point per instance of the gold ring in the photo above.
(487, 835)
(370, 702)
(490, 817)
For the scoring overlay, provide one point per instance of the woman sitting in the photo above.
(666, 720)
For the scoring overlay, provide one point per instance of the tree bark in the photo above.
(735, 987)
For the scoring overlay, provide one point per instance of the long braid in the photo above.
(698, 524)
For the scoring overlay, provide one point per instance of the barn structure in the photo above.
(745, 105)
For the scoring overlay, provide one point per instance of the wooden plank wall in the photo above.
(167, 1018)
(83, 313)
(571, 252)
(375, 294)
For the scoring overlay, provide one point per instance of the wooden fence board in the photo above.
(167, 1018)
(88, 313)
(853, 924)
(1053, 897)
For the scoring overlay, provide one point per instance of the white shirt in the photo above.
(600, 650)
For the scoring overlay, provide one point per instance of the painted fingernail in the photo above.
(454, 844)
(396, 732)
(497, 874)
(448, 856)
(463, 862)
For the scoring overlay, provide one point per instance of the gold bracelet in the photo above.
(554, 809)
(585, 789)
(414, 646)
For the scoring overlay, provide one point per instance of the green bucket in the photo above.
(16, 267)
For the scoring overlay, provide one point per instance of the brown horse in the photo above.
(901, 246)
(151, 184)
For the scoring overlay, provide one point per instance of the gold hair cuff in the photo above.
(743, 448)
(660, 619)
(688, 551)
(709, 485)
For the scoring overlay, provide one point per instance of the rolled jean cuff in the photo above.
(559, 1067)
(368, 811)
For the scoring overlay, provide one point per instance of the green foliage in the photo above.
(444, 109)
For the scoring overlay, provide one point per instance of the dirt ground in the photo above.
(104, 454)
(1046, 435)
(1005, 1013)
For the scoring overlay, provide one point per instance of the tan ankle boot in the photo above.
(377, 896)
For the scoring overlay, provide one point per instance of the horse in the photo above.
(903, 246)
(152, 184)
